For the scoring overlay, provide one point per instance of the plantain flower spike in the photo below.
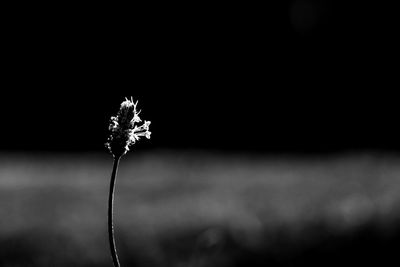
(124, 130)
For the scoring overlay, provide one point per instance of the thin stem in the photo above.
(110, 214)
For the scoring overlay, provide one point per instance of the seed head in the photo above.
(123, 129)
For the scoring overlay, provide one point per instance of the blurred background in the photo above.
(274, 134)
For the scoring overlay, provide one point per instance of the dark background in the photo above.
(287, 76)
(239, 97)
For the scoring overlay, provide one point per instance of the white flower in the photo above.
(136, 118)
(148, 134)
(123, 131)
(146, 125)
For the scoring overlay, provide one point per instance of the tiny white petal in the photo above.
(148, 134)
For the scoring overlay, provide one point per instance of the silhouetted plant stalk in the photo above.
(123, 133)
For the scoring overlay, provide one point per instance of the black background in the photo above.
(229, 77)
(285, 76)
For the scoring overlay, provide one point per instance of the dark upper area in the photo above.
(287, 76)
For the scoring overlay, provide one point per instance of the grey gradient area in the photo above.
(197, 208)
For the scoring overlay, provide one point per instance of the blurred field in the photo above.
(200, 209)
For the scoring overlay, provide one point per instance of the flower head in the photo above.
(123, 129)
